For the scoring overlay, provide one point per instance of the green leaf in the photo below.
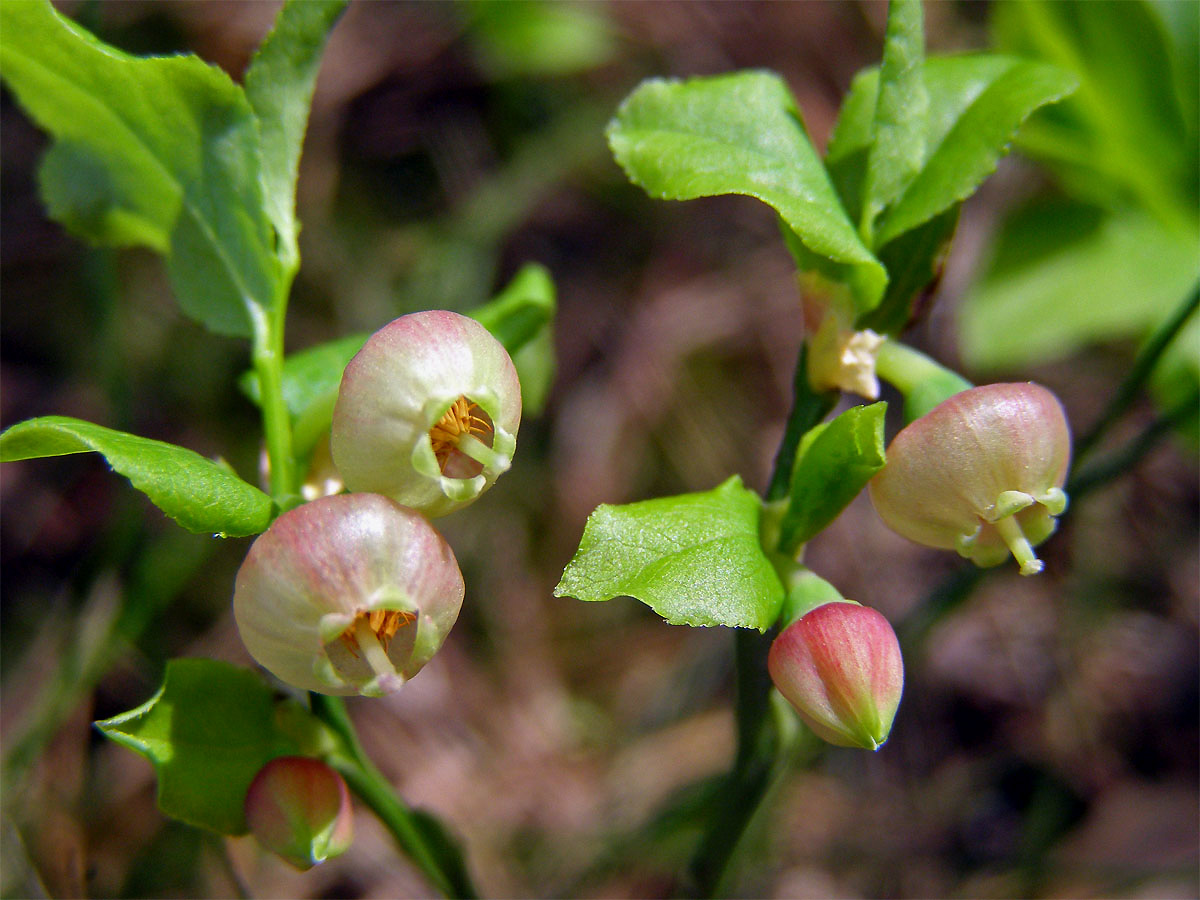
(311, 379)
(739, 134)
(695, 559)
(518, 312)
(1183, 34)
(835, 461)
(521, 318)
(279, 86)
(850, 143)
(1125, 133)
(207, 732)
(1000, 93)
(536, 363)
(897, 149)
(199, 494)
(162, 152)
(1067, 274)
(914, 263)
(976, 104)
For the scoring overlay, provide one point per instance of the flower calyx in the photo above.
(840, 357)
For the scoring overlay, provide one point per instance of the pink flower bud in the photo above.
(981, 473)
(427, 412)
(839, 665)
(300, 809)
(350, 594)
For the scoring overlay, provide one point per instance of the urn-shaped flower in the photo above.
(981, 473)
(300, 809)
(427, 412)
(839, 666)
(350, 594)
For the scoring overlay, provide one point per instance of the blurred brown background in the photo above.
(1047, 742)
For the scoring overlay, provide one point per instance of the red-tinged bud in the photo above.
(350, 594)
(839, 665)
(981, 473)
(427, 412)
(299, 808)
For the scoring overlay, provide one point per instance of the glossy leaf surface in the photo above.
(897, 149)
(279, 86)
(207, 732)
(976, 104)
(739, 134)
(695, 559)
(835, 461)
(199, 494)
(159, 152)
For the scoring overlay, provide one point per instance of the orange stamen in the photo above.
(384, 622)
(460, 419)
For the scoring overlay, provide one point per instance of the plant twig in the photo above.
(1098, 474)
(808, 408)
(267, 356)
(1146, 360)
(746, 785)
(419, 836)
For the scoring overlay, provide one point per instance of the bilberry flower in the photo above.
(981, 473)
(350, 594)
(427, 412)
(839, 666)
(299, 808)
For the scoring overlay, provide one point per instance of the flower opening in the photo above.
(448, 438)
(350, 594)
(427, 412)
(982, 474)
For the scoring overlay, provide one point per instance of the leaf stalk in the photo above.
(451, 880)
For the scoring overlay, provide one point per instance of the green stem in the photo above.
(808, 408)
(923, 382)
(441, 865)
(744, 788)
(1099, 474)
(1146, 360)
(267, 355)
(220, 851)
(746, 785)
